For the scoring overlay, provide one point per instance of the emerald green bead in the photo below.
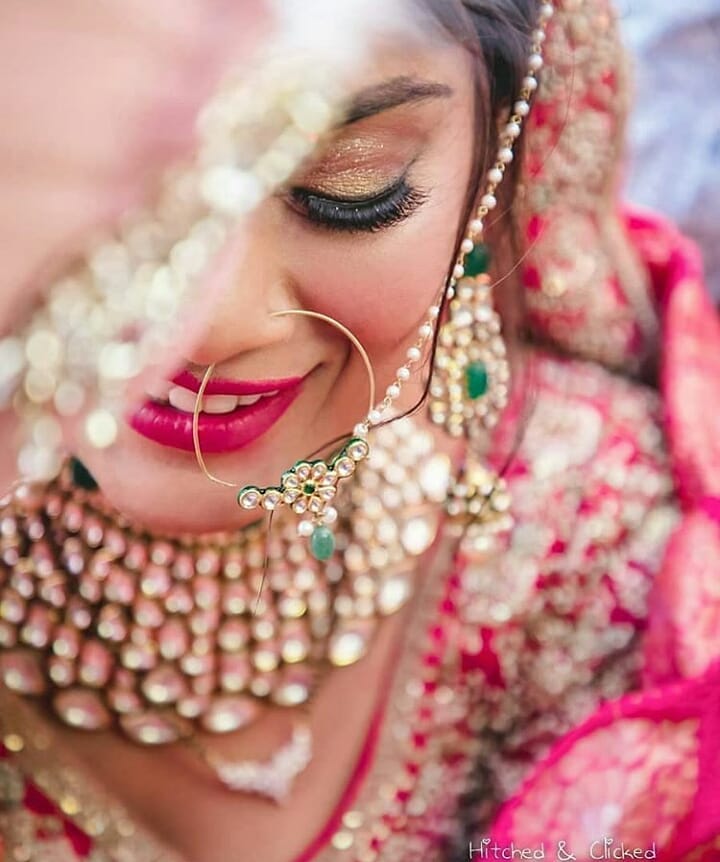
(309, 488)
(478, 261)
(322, 543)
(477, 381)
(81, 476)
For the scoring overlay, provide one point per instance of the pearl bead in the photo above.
(505, 155)
(522, 108)
(489, 201)
(459, 271)
(535, 62)
(414, 354)
(101, 429)
(403, 373)
(530, 83)
(512, 130)
(450, 292)
(231, 191)
(538, 36)
(425, 330)
(375, 417)
(476, 226)
(330, 516)
(305, 528)
(311, 113)
(360, 430)
(434, 311)
(546, 11)
(393, 391)
(495, 175)
(467, 246)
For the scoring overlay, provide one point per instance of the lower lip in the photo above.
(217, 433)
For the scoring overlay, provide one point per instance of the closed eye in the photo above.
(391, 206)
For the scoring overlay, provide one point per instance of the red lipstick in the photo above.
(218, 386)
(221, 432)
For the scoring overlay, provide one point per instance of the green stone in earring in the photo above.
(322, 543)
(478, 261)
(477, 381)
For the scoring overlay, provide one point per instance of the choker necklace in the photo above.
(160, 637)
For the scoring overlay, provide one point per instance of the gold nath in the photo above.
(309, 486)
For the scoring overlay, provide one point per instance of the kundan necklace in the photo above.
(159, 638)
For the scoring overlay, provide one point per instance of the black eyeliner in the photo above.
(385, 209)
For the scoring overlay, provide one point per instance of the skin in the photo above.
(380, 285)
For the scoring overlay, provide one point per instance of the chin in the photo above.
(171, 511)
(162, 490)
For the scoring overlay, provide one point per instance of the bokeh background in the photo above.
(674, 131)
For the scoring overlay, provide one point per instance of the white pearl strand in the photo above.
(488, 202)
(118, 310)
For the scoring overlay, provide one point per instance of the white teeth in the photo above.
(247, 400)
(219, 403)
(182, 399)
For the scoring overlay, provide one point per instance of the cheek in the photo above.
(380, 286)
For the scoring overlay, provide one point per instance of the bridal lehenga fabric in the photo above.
(559, 683)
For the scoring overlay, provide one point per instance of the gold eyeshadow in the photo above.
(352, 184)
(360, 166)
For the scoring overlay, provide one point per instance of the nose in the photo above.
(245, 285)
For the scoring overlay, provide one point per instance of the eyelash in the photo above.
(390, 207)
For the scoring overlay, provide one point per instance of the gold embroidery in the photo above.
(594, 292)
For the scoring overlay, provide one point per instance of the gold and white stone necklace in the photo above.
(161, 638)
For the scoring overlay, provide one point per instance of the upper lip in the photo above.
(219, 386)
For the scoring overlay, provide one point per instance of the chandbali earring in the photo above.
(309, 486)
(471, 374)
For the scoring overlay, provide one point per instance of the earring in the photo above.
(471, 373)
(309, 486)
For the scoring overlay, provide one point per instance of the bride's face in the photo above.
(364, 233)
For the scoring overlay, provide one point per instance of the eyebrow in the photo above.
(402, 90)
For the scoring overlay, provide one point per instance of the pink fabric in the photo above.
(644, 770)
